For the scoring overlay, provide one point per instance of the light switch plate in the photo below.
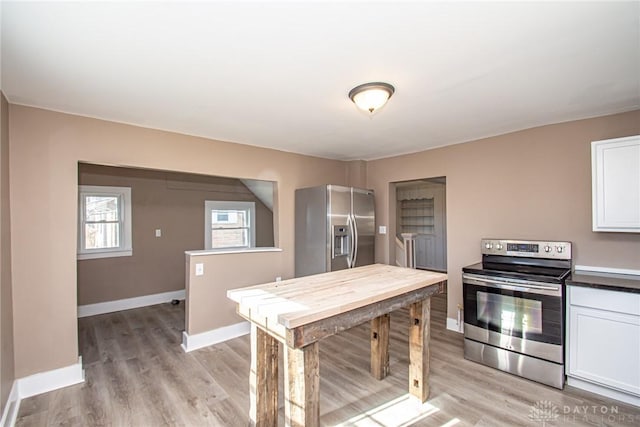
(199, 269)
(158, 232)
(382, 229)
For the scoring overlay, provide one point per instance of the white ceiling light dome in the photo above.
(371, 97)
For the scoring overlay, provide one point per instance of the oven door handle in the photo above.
(512, 284)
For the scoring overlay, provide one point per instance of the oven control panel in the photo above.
(527, 248)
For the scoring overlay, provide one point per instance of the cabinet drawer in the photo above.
(621, 302)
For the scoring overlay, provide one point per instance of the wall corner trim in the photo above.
(214, 336)
(452, 325)
(11, 407)
(43, 382)
(129, 303)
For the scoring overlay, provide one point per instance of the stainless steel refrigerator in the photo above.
(335, 229)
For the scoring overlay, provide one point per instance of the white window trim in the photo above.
(210, 205)
(126, 248)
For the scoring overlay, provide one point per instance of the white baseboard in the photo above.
(129, 303)
(50, 380)
(588, 268)
(452, 325)
(215, 336)
(604, 391)
(37, 384)
(11, 408)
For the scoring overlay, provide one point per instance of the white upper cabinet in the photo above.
(615, 170)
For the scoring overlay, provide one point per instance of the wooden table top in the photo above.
(303, 300)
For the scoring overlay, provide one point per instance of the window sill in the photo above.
(231, 251)
(96, 255)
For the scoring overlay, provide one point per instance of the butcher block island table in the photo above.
(299, 312)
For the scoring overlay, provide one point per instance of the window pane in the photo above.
(102, 236)
(229, 218)
(229, 238)
(101, 208)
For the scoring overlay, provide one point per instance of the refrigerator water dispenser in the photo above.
(340, 240)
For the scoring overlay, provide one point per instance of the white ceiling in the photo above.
(277, 74)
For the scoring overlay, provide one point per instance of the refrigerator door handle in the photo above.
(333, 243)
(355, 241)
(351, 242)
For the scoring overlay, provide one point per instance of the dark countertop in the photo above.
(607, 281)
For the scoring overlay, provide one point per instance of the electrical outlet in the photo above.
(382, 229)
(158, 232)
(278, 279)
(199, 269)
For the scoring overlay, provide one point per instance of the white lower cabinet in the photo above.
(603, 353)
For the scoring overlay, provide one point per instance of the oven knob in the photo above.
(499, 246)
(488, 245)
(559, 249)
(547, 248)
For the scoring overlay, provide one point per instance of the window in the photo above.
(104, 222)
(229, 224)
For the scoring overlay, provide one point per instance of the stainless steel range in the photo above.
(514, 308)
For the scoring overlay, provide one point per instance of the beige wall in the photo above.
(208, 307)
(169, 201)
(532, 184)
(6, 305)
(357, 173)
(45, 149)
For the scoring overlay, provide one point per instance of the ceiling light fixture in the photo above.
(371, 96)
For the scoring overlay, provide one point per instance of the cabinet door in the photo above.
(429, 252)
(616, 184)
(604, 347)
(425, 250)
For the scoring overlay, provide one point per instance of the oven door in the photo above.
(518, 315)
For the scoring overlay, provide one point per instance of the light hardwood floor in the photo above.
(137, 375)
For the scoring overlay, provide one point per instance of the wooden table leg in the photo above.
(263, 379)
(419, 334)
(380, 346)
(302, 386)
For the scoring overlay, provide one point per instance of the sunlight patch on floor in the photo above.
(400, 412)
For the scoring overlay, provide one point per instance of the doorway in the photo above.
(134, 226)
(421, 210)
